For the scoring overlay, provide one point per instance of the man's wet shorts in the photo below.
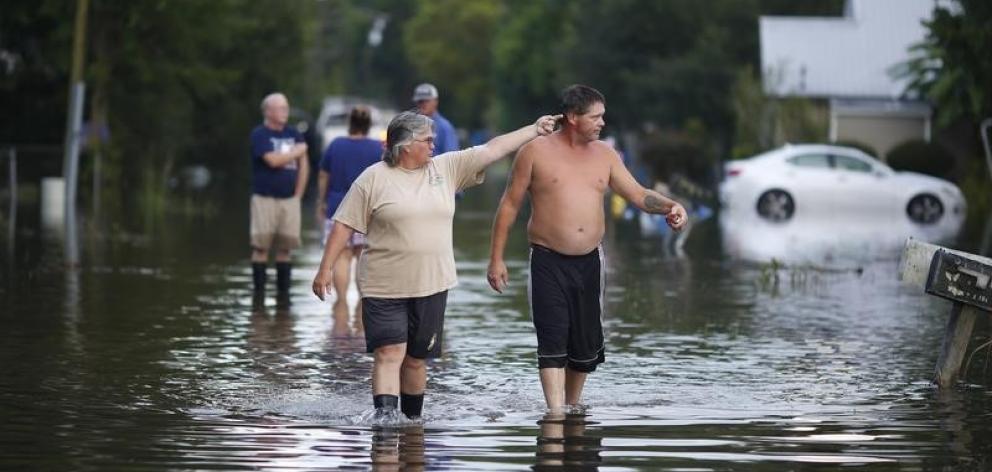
(275, 222)
(418, 322)
(566, 303)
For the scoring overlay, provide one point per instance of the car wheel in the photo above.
(925, 209)
(776, 205)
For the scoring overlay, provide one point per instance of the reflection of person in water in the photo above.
(398, 449)
(271, 339)
(562, 443)
(271, 333)
(345, 336)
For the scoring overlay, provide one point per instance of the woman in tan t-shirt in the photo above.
(405, 205)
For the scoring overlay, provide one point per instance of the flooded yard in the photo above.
(153, 357)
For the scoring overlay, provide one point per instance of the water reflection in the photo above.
(271, 333)
(562, 443)
(955, 423)
(346, 325)
(395, 449)
(841, 240)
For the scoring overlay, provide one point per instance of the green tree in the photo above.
(529, 58)
(763, 122)
(179, 82)
(952, 67)
(35, 44)
(448, 41)
(392, 71)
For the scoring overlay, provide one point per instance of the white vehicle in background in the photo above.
(333, 119)
(826, 198)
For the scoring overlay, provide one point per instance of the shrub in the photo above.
(921, 156)
(678, 152)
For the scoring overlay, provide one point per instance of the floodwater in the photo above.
(152, 357)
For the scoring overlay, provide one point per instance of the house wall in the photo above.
(880, 132)
(844, 56)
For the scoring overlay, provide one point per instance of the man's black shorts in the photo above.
(566, 302)
(418, 322)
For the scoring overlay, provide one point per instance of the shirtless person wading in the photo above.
(567, 174)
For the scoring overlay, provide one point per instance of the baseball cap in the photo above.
(424, 92)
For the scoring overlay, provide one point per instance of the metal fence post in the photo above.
(12, 212)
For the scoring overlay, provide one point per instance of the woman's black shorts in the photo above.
(418, 322)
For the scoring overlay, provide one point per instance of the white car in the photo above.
(838, 190)
(333, 119)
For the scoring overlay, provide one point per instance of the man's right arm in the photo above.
(506, 214)
(280, 159)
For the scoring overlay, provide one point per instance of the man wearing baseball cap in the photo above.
(426, 98)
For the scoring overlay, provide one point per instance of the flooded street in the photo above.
(152, 357)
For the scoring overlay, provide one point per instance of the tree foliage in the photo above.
(449, 44)
(529, 59)
(672, 65)
(952, 67)
(171, 82)
(179, 81)
(763, 122)
(35, 43)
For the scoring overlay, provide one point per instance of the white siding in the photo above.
(843, 56)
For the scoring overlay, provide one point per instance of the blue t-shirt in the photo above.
(345, 159)
(445, 139)
(278, 182)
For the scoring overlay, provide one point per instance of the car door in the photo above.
(863, 192)
(811, 181)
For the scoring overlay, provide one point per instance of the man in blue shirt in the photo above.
(426, 98)
(279, 177)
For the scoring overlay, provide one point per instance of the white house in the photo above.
(848, 61)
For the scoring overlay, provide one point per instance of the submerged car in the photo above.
(818, 183)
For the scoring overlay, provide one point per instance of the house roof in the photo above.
(848, 56)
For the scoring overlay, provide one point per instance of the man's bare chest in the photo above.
(571, 176)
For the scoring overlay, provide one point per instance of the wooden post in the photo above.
(955, 344)
(960, 277)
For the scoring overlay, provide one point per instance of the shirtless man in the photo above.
(567, 175)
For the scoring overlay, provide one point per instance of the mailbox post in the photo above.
(964, 279)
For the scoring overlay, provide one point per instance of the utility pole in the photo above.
(70, 164)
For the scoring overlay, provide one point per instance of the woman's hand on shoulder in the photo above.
(546, 124)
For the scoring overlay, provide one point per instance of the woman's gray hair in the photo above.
(402, 130)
